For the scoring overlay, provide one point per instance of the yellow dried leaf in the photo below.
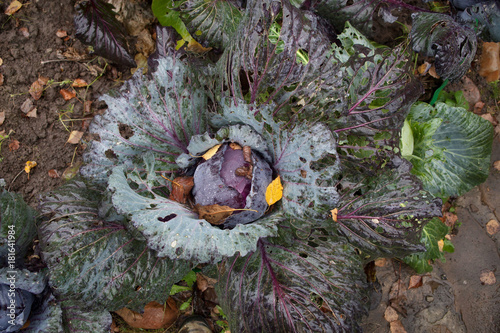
(211, 152)
(13, 7)
(195, 47)
(440, 245)
(74, 137)
(29, 165)
(334, 214)
(274, 191)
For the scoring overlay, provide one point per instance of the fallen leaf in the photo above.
(74, 137)
(13, 145)
(244, 171)
(145, 43)
(214, 214)
(235, 146)
(490, 118)
(478, 107)
(87, 107)
(67, 95)
(195, 47)
(397, 327)
(496, 164)
(211, 152)
(470, 90)
(43, 80)
(274, 191)
(204, 282)
(32, 113)
(53, 173)
(142, 63)
(78, 83)
(450, 219)
(247, 154)
(1, 79)
(2, 117)
(25, 32)
(334, 214)
(381, 262)
(27, 105)
(390, 314)
(13, 7)
(303, 173)
(492, 227)
(415, 282)
(61, 33)
(71, 171)
(440, 245)
(433, 73)
(489, 63)
(1, 61)
(487, 277)
(155, 315)
(29, 165)
(36, 90)
(181, 188)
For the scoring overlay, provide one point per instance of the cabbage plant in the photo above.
(179, 173)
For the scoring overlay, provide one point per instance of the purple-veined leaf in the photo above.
(157, 115)
(308, 283)
(94, 259)
(96, 25)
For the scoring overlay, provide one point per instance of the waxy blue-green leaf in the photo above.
(452, 148)
(94, 260)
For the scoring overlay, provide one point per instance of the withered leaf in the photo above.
(87, 107)
(274, 191)
(334, 214)
(36, 90)
(32, 113)
(74, 137)
(13, 145)
(61, 33)
(247, 154)
(181, 187)
(13, 7)
(492, 227)
(43, 80)
(155, 315)
(490, 61)
(2, 117)
(78, 83)
(27, 105)
(25, 32)
(214, 214)
(234, 146)
(244, 171)
(211, 152)
(67, 95)
(53, 173)
(415, 282)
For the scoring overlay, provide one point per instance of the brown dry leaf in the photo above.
(36, 90)
(78, 83)
(334, 214)
(415, 282)
(247, 154)
(181, 188)
(75, 137)
(496, 164)
(274, 191)
(195, 47)
(478, 107)
(397, 327)
(433, 73)
(2, 117)
(390, 314)
(204, 282)
(235, 146)
(489, 64)
(53, 173)
(61, 33)
(27, 105)
(74, 54)
(470, 90)
(13, 7)
(211, 152)
(43, 80)
(145, 43)
(490, 118)
(87, 107)
(1, 79)
(155, 315)
(450, 219)
(67, 95)
(244, 171)
(214, 214)
(492, 227)
(32, 113)
(487, 277)
(13, 145)
(25, 32)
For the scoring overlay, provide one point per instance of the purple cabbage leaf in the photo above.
(298, 282)
(94, 259)
(96, 25)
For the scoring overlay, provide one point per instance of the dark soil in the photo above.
(453, 290)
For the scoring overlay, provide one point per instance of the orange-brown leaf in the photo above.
(247, 154)
(78, 83)
(75, 137)
(53, 173)
(61, 33)
(181, 188)
(36, 90)
(214, 214)
(67, 95)
(13, 145)
(13, 7)
(334, 214)
(155, 315)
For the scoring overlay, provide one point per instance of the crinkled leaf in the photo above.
(433, 232)
(483, 16)
(383, 211)
(18, 220)
(157, 115)
(452, 148)
(174, 230)
(93, 258)
(308, 283)
(453, 45)
(211, 21)
(96, 24)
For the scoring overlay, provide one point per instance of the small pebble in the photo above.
(429, 298)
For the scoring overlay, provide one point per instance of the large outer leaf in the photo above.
(308, 283)
(94, 260)
(158, 115)
(18, 218)
(97, 25)
(452, 148)
(173, 229)
(453, 45)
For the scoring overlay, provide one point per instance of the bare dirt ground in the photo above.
(456, 297)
